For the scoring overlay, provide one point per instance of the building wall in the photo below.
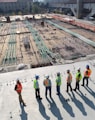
(19, 5)
(68, 1)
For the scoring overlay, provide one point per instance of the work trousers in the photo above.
(77, 85)
(48, 89)
(37, 93)
(58, 89)
(85, 78)
(20, 99)
(69, 85)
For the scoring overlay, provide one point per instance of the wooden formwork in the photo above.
(5, 29)
(28, 56)
(66, 43)
(57, 41)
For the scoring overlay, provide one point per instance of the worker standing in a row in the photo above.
(58, 83)
(87, 74)
(69, 81)
(18, 89)
(78, 79)
(48, 84)
(36, 87)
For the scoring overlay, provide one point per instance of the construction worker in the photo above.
(47, 84)
(18, 88)
(69, 80)
(87, 74)
(58, 83)
(78, 78)
(36, 87)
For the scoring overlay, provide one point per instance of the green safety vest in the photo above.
(36, 84)
(78, 78)
(58, 81)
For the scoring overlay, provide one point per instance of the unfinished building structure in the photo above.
(79, 8)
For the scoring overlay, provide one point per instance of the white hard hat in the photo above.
(47, 76)
(17, 79)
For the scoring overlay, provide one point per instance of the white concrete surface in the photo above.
(80, 107)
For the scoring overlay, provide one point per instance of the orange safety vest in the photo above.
(46, 82)
(19, 88)
(87, 73)
(69, 78)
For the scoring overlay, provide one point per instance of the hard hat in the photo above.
(17, 79)
(47, 76)
(58, 74)
(37, 77)
(79, 70)
(87, 66)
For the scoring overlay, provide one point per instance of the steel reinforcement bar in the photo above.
(44, 51)
(10, 54)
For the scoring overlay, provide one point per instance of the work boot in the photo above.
(24, 104)
(40, 98)
(74, 89)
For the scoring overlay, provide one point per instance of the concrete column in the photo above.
(79, 8)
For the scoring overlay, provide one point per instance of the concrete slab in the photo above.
(81, 105)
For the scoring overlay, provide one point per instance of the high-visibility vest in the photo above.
(87, 73)
(69, 78)
(19, 88)
(58, 81)
(47, 82)
(78, 78)
(36, 84)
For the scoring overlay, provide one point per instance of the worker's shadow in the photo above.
(90, 91)
(23, 114)
(87, 100)
(54, 109)
(42, 110)
(66, 106)
(78, 103)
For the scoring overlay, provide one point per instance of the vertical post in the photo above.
(79, 8)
